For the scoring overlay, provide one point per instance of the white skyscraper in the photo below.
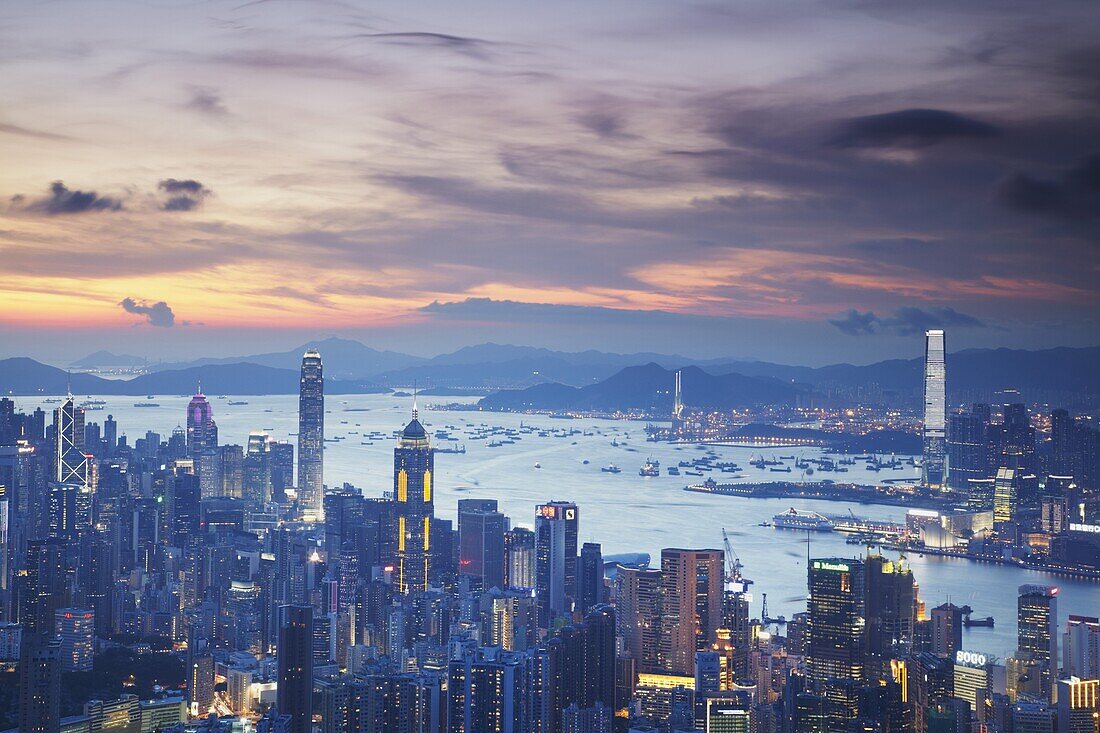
(935, 409)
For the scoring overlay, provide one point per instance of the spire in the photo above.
(200, 387)
(69, 384)
(416, 412)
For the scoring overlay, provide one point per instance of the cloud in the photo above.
(906, 321)
(207, 101)
(855, 323)
(11, 129)
(183, 195)
(473, 47)
(157, 314)
(63, 200)
(910, 128)
(1076, 195)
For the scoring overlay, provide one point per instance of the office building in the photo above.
(1081, 647)
(638, 613)
(946, 621)
(1005, 495)
(692, 583)
(935, 410)
(40, 685)
(972, 678)
(1078, 706)
(1037, 630)
(295, 661)
(75, 628)
(835, 644)
(582, 665)
(413, 491)
(311, 434)
(556, 527)
(967, 451)
(590, 585)
(202, 431)
(481, 531)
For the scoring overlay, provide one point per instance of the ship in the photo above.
(650, 468)
(611, 469)
(805, 520)
(146, 404)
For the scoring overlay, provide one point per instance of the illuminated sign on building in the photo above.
(970, 659)
(834, 566)
(1084, 528)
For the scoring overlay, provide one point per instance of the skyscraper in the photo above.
(556, 525)
(967, 452)
(202, 432)
(638, 606)
(935, 409)
(311, 434)
(413, 491)
(692, 583)
(1037, 630)
(40, 685)
(481, 541)
(295, 658)
(834, 648)
(70, 461)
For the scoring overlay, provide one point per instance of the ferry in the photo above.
(650, 468)
(807, 520)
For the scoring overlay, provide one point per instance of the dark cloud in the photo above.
(207, 101)
(910, 128)
(183, 195)
(855, 323)
(157, 314)
(64, 200)
(1076, 195)
(473, 47)
(906, 321)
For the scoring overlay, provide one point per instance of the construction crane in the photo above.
(733, 563)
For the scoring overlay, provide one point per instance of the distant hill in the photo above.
(647, 387)
(24, 376)
(343, 359)
(103, 358)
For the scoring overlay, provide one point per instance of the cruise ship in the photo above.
(804, 520)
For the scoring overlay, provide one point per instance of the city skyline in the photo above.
(425, 179)
(522, 367)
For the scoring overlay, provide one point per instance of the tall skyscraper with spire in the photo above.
(202, 431)
(70, 461)
(413, 493)
(311, 434)
(935, 410)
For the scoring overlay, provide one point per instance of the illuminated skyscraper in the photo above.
(935, 409)
(1037, 630)
(71, 464)
(311, 434)
(835, 644)
(413, 489)
(556, 525)
(202, 432)
(692, 584)
(638, 605)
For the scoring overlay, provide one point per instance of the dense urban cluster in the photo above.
(292, 609)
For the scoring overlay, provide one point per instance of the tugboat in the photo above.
(650, 468)
(611, 468)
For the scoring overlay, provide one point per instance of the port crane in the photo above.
(733, 563)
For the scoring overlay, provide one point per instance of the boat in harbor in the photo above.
(612, 468)
(651, 467)
(146, 404)
(673, 471)
(804, 520)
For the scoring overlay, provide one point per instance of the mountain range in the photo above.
(649, 388)
(560, 377)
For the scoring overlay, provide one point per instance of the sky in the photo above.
(808, 182)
